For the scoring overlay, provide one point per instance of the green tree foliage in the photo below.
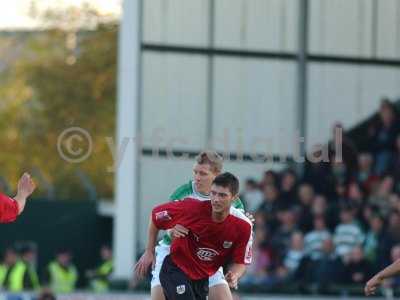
(61, 77)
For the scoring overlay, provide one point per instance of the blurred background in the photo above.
(106, 104)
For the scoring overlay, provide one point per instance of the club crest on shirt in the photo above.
(180, 289)
(227, 244)
(163, 216)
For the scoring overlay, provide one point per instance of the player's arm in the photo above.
(377, 280)
(233, 275)
(11, 208)
(26, 187)
(148, 256)
(164, 217)
(179, 194)
(242, 254)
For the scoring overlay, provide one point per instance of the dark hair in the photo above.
(320, 217)
(377, 215)
(211, 158)
(347, 206)
(289, 172)
(228, 180)
(63, 250)
(252, 182)
(46, 295)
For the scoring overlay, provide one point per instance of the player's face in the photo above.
(203, 177)
(221, 198)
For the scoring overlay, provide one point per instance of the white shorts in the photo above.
(162, 251)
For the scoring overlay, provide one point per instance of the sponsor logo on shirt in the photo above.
(163, 216)
(227, 244)
(206, 254)
(180, 289)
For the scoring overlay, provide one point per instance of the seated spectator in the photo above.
(377, 244)
(314, 252)
(305, 197)
(394, 165)
(319, 206)
(394, 228)
(270, 204)
(339, 172)
(252, 195)
(394, 201)
(355, 194)
(320, 176)
(340, 194)
(394, 282)
(259, 272)
(259, 220)
(296, 252)
(383, 135)
(364, 175)
(314, 240)
(347, 233)
(357, 269)
(288, 188)
(381, 194)
(269, 178)
(282, 236)
(367, 212)
(328, 269)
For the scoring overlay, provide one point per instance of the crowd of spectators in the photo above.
(336, 224)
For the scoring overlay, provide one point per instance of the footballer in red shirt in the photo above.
(215, 234)
(10, 208)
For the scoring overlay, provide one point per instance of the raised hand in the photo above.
(144, 263)
(179, 231)
(26, 186)
(232, 279)
(372, 285)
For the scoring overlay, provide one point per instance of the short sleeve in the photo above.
(166, 216)
(8, 209)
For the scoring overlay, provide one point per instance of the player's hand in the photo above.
(144, 263)
(232, 279)
(372, 285)
(26, 186)
(179, 231)
(251, 217)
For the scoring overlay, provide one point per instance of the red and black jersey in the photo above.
(209, 244)
(8, 209)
